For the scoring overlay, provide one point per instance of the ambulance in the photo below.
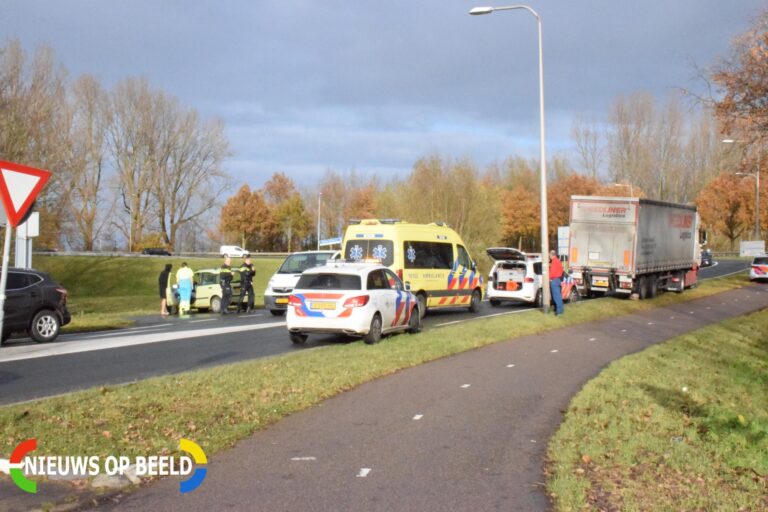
(431, 259)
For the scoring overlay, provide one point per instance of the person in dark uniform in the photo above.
(246, 284)
(162, 283)
(225, 280)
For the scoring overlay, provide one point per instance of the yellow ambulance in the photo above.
(430, 258)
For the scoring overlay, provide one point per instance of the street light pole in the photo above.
(755, 175)
(319, 204)
(543, 159)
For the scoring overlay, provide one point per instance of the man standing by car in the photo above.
(555, 277)
(225, 280)
(246, 284)
(162, 283)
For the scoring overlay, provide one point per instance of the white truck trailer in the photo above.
(629, 245)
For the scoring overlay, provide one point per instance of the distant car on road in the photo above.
(706, 258)
(356, 299)
(35, 304)
(516, 277)
(233, 251)
(283, 281)
(758, 270)
(155, 251)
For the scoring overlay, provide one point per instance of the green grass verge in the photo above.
(680, 426)
(106, 292)
(218, 406)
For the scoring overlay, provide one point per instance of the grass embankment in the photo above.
(680, 426)
(218, 406)
(105, 292)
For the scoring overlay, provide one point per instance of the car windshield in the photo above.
(298, 263)
(761, 261)
(329, 282)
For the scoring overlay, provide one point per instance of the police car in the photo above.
(357, 299)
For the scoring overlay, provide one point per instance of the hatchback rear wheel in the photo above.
(298, 338)
(45, 326)
(374, 333)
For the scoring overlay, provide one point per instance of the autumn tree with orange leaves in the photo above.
(724, 206)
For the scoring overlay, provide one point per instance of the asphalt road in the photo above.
(468, 432)
(159, 346)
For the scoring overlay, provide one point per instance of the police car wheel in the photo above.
(495, 303)
(374, 333)
(297, 337)
(277, 312)
(414, 323)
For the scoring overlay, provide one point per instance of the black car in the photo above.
(35, 304)
(156, 251)
(706, 258)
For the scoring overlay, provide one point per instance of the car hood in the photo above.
(284, 280)
(505, 254)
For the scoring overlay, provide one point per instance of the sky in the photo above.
(306, 86)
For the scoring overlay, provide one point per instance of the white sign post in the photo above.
(24, 235)
(752, 248)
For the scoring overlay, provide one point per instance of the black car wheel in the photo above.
(298, 338)
(45, 326)
(474, 302)
(414, 323)
(422, 304)
(495, 303)
(277, 312)
(374, 333)
(574, 295)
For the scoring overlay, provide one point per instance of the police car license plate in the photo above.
(282, 300)
(322, 305)
(600, 282)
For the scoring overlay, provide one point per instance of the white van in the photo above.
(283, 281)
(233, 251)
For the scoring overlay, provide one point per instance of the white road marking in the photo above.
(465, 386)
(418, 417)
(363, 472)
(510, 366)
(650, 323)
(204, 320)
(485, 316)
(553, 351)
(671, 318)
(623, 330)
(592, 339)
(691, 312)
(128, 340)
(303, 458)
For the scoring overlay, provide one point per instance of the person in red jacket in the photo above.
(555, 278)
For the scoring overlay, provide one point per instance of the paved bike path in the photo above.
(468, 432)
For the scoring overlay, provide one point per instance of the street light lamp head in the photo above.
(476, 11)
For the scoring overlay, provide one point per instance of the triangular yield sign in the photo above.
(19, 186)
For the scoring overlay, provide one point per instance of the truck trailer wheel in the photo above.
(642, 287)
(653, 286)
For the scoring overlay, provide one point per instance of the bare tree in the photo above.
(191, 179)
(586, 135)
(87, 165)
(34, 126)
